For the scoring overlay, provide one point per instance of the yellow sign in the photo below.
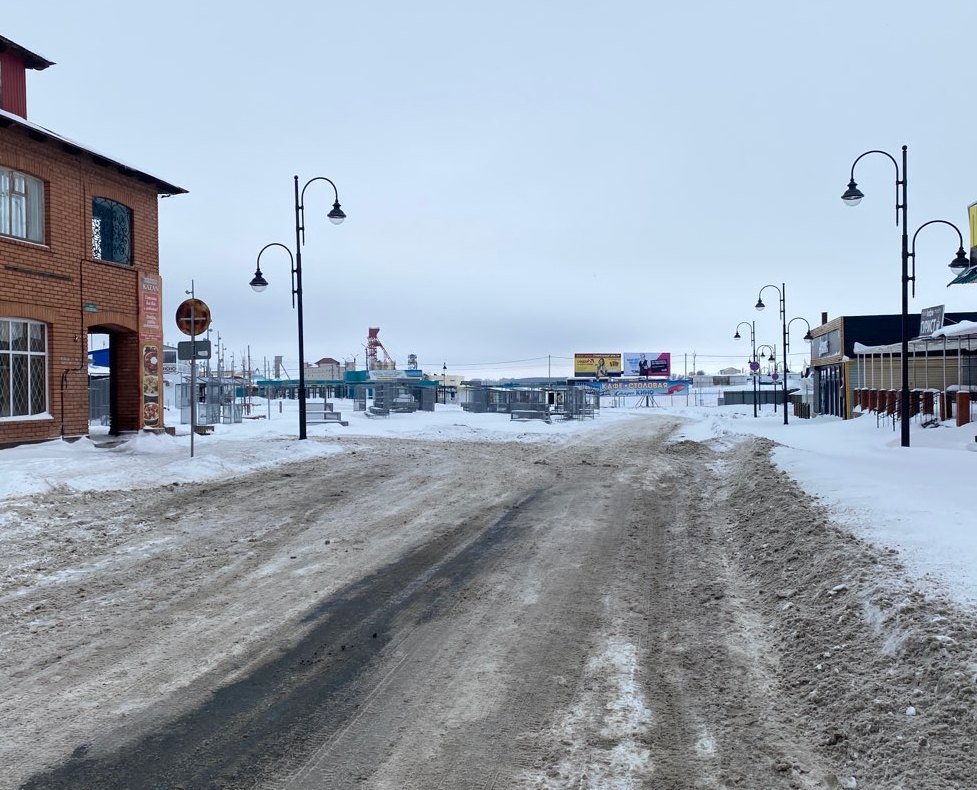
(972, 213)
(598, 365)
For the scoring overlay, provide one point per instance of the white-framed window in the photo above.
(21, 206)
(23, 368)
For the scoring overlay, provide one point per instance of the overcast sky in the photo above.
(525, 179)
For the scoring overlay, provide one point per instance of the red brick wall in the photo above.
(52, 282)
(13, 84)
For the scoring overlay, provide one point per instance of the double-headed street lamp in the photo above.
(753, 361)
(852, 197)
(782, 293)
(259, 283)
(768, 353)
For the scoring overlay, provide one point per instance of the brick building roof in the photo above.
(41, 134)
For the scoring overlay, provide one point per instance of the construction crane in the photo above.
(373, 345)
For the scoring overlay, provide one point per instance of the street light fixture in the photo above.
(807, 339)
(782, 293)
(960, 262)
(753, 361)
(852, 197)
(768, 353)
(259, 283)
(444, 383)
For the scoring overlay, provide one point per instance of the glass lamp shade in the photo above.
(337, 215)
(853, 195)
(960, 263)
(259, 283)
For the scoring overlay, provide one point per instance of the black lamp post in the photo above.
(258, 283)
(753, 361)
(444, 383)
(769, 353)
(852, 197)
(782, 292)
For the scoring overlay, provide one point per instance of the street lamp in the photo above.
(960, 262)
(259, 283)
(807, 335)
(768, 353)
(444, 383)
(771, 350)
(852, 197)
(782, 292)
(753, 373)
(807, 339)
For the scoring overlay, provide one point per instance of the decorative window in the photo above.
(23, 368)
(111, 231)
(21, 206)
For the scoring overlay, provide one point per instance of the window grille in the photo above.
(111, 231)
(23, 368)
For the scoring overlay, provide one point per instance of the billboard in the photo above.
(657, 387)
(598, 365)
(648, 363)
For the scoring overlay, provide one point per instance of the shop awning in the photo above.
(966, 276)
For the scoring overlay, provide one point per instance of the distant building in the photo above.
(326, 369)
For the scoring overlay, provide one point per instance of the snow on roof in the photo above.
(961, 332)
(162, 187)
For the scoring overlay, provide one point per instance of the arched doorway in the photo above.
(114, 394)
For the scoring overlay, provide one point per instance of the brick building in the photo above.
(79, 254)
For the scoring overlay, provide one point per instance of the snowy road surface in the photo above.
(618, 610)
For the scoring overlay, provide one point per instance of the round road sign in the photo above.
(193, 317)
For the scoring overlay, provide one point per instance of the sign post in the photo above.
(193, 318)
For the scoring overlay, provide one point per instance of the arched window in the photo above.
(21, 206)
(111, 231)
(23, 368)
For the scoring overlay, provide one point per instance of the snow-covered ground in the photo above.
(918, 501)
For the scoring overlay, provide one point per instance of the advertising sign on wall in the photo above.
(647, 363)
(930, 319)
(972, 216)
(599, 365)
(826, 345)
(151, 347)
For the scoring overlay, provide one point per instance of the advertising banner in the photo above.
(647, 363)
(598, 365)
(972, 216)
(655, 387)
(151, 348)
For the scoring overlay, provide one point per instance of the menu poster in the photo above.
(151, 348)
